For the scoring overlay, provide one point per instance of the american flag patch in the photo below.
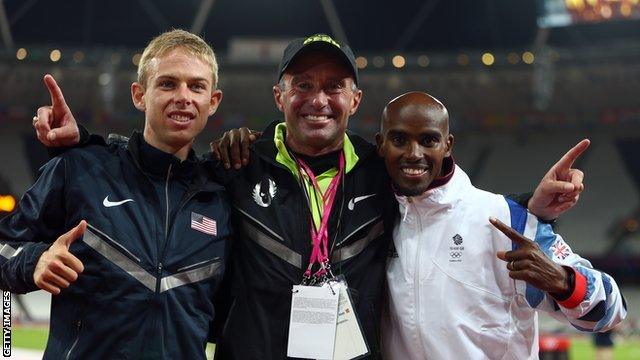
(560, 249)
(203, 224)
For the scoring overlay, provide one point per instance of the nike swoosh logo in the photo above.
(353, 201)
(108, 203)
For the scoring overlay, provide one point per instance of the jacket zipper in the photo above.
(416, 275)
(163, 248)
(166, 229)
(75, 342)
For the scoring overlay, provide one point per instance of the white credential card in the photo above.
(312, 325)
(350, 343)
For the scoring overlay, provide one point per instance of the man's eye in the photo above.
(429, 141)
(198, 87)
(303, 86)
(166, 84)
(397, 140)
(335, 87)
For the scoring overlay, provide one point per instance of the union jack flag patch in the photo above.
(203, 224)
(560, 249)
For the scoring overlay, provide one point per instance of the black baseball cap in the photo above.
(318, 42)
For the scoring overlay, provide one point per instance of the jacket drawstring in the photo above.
(406, 211)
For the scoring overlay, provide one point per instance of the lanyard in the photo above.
(320, 236)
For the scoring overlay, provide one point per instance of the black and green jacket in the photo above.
(272, 244)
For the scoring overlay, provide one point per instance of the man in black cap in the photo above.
(279, 205)
(307, 174)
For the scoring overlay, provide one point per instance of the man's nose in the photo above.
(320, 99)
(183, 94)
(414, 152)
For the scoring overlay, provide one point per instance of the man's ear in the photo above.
(137, 96)
(379, 141)
(356, 102)
(214, 102)
(449, 145)
(277, 96)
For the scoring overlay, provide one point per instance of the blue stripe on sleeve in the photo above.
(518, 222)
(545, 237)
(518, 217)
(608, 288)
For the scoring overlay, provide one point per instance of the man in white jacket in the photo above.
(455, 291)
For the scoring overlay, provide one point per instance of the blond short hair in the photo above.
(163, 43)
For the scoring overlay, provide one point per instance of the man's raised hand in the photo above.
(57, 268)
(560, 188)
(55, 124)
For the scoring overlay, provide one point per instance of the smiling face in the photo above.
(178, 98)
(414, 140)
(317, 99)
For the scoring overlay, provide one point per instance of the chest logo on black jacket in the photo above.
(264, 192)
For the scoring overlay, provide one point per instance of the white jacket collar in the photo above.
(439, 198)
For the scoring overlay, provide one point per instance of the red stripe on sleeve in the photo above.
(579, 291)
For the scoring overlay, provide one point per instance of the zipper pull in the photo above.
(159, 268)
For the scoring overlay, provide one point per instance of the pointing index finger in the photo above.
(57, 99)
(570, 157)
(509, 232)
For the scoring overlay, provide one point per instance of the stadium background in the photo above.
(523, 81)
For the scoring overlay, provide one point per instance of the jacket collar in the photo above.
(449, 167)
(443, 197)
(155, 162)
(266, 147)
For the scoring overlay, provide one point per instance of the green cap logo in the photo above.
(321, 37)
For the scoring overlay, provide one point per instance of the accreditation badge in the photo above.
(323, 323)
(312, 324)
(350, 342)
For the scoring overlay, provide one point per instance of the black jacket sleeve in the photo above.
(85, 139)
(29, 231)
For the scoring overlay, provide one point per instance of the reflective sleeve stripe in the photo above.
(118, 259)
(189, 276)
(271, 245)
(8, 252)
(354, 249)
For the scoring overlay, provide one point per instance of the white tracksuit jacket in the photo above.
(452, 298)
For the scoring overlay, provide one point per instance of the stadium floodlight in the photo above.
(7, 203)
